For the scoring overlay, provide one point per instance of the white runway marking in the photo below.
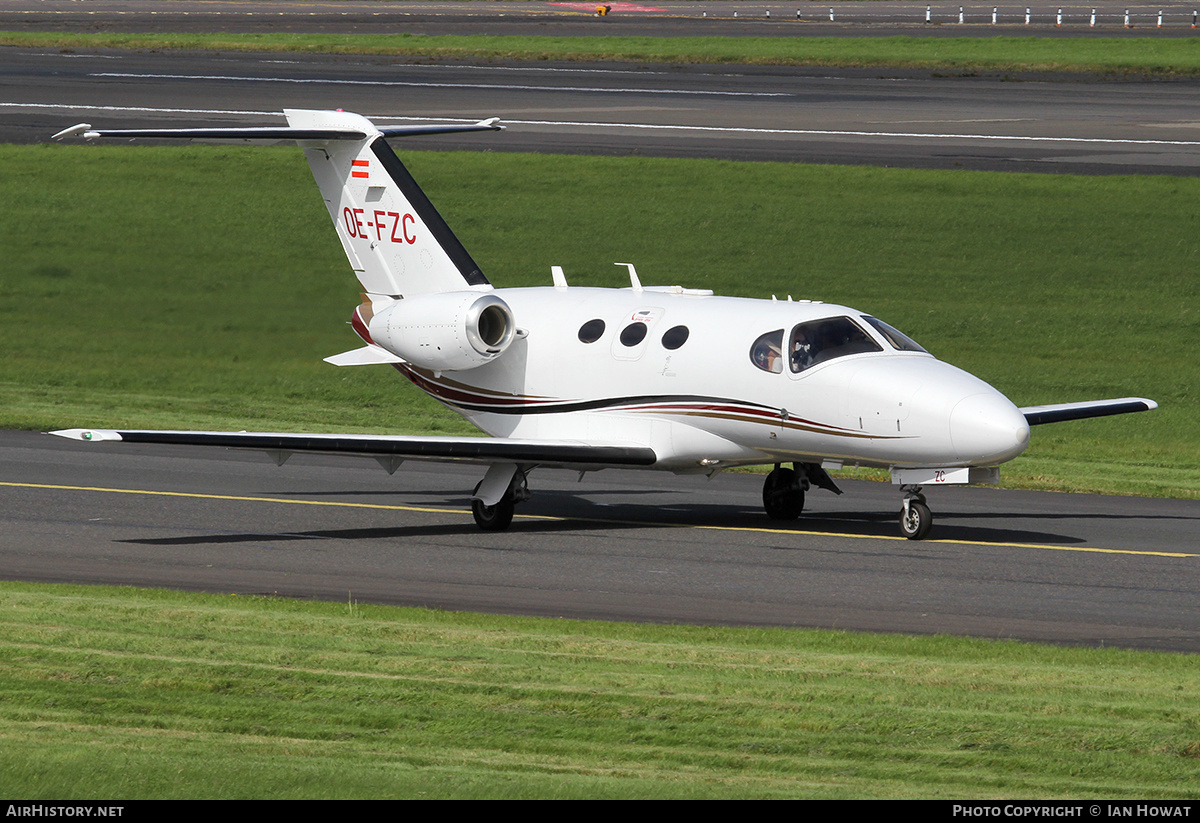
(541, 69)
(854, 133)
(153, 110)
(412, 84)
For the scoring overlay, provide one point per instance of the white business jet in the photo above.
(666, 378)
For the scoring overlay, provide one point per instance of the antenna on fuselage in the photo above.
(634, 283)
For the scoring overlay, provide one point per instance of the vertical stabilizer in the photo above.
(396, 241)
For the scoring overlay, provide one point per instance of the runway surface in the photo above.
(620, 545)
(748, 113)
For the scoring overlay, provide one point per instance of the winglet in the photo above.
(81, 130)
(88, 435)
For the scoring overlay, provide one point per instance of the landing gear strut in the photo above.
(915, 518)
(783, 494)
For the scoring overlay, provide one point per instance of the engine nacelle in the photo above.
(447, 331)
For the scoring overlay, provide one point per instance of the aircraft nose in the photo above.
(987, 429)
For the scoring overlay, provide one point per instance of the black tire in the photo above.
(783, 498)
(495, 518)
(917, 521)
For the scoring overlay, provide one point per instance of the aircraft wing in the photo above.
(482, 450)
(1057, 413)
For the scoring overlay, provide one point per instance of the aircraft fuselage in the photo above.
(638, 366)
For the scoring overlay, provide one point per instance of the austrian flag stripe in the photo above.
(361, 168)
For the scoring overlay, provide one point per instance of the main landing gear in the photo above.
(498, 517)
(783, 494)
(783, 490)
(495, 518)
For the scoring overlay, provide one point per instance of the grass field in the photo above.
(1103, 55)
(117, 693)
(199, 287)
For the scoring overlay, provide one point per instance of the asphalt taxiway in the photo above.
(620, 545)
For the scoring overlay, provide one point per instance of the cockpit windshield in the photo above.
(898, 339)
(819, 341)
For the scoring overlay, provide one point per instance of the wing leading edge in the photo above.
(1061, 412)
(482, 450)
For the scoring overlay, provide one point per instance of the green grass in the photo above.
(119, 693)
(199, 287)
(1142, 55)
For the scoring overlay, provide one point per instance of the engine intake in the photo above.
(447, 331)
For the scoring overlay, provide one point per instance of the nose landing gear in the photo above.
(915, 518)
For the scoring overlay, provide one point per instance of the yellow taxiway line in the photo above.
(647, 523)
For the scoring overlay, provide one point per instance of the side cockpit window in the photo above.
(767, 352)
(820, 341)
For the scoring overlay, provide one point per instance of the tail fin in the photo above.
(395, 239)
(397, 243)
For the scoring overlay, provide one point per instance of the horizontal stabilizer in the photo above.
(1059, 412)
(366, 356)
(272, 133)
(449, 449)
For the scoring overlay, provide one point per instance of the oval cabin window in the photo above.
(591, 331)
(675, 337)
(633, 334)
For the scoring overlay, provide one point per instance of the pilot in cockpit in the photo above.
(801, 351)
